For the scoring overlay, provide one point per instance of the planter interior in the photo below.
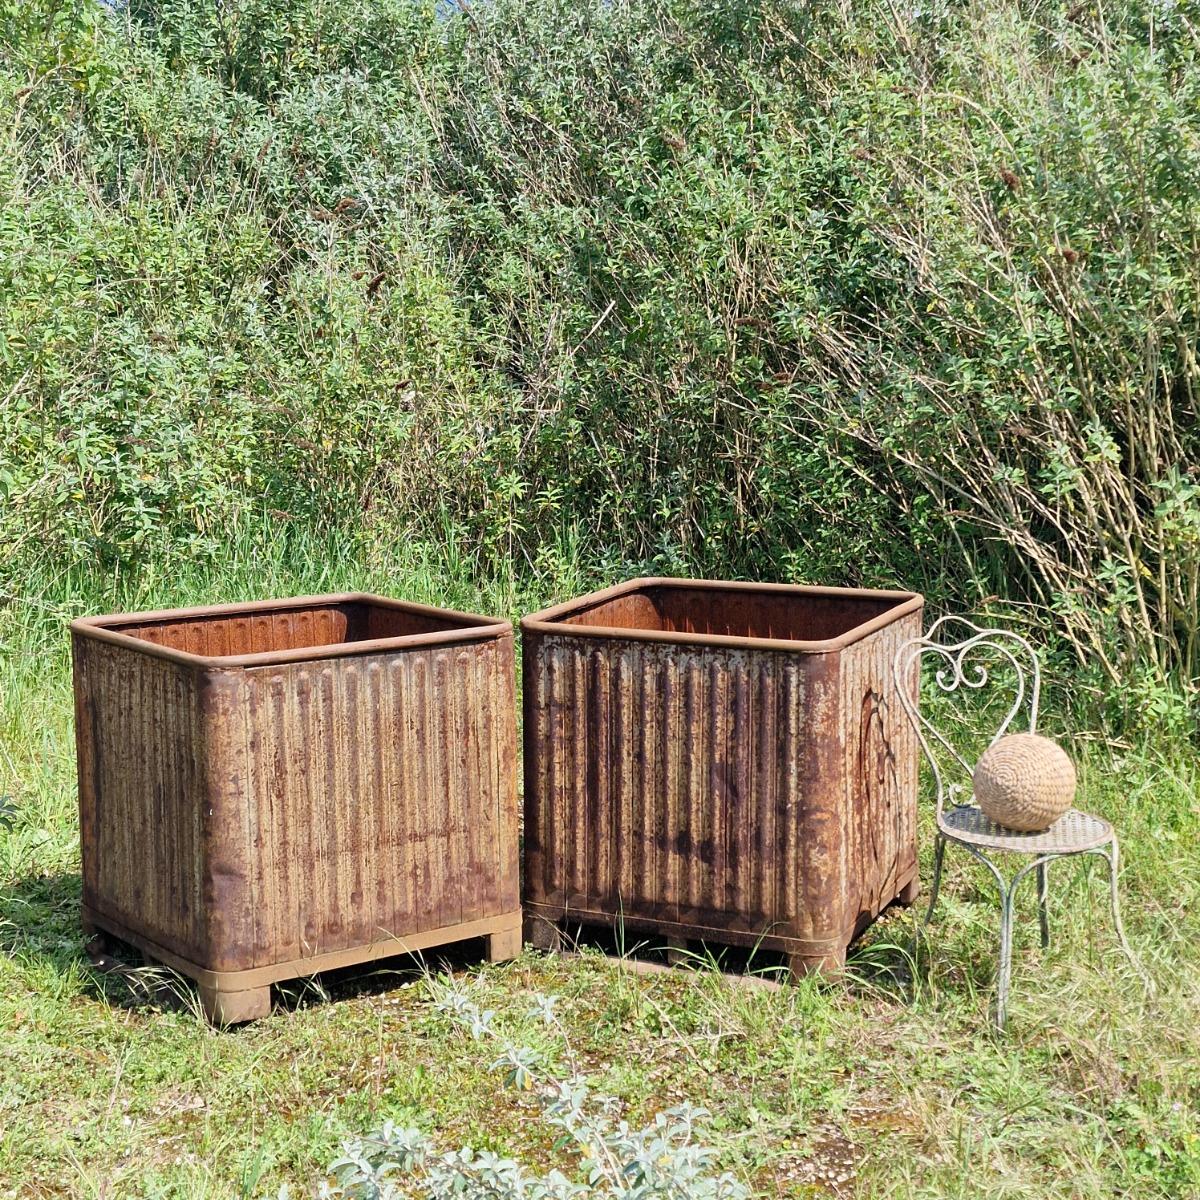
(276, 628)
(724, 611)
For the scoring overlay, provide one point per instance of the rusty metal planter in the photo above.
(269, 790)
(720, 761)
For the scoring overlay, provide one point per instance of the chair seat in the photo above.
(1073, 832)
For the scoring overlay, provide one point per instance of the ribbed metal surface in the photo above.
(246, 816)
(881, 769)
(730, 792)
(215, 634)
(144, 791)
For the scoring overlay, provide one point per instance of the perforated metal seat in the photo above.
(1073, 832)
(964, 666)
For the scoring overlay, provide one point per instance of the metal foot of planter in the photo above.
(677, 952)
(230, 997)
(831, 964)
(504, 943)
(720, 761)
(235, 1008)
(275, 789)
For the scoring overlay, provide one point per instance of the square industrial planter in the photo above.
(274, 789)
(724, 761)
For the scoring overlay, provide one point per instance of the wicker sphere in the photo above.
(1025, 782)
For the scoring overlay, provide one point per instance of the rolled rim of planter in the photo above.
(457, 627)
(554, 620)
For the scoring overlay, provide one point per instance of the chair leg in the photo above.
(1004, 973)
(1008, 902)
(939, 854)
(1114, 861)
(1043, 882)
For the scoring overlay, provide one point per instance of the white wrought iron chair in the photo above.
(968, 664)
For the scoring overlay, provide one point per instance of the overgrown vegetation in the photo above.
(795, 290)
(661, 1161)
(485, 304)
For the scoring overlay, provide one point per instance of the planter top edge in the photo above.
(550, 621)
(470, 627)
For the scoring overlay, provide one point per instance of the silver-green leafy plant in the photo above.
(659, 1161)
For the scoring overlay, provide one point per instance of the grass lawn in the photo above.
(891, 1084)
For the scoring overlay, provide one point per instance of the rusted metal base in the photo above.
(235, 1008)
(544, 924)
(677, 951)
(505, 944)
(831, 964)
(231, 997)
(543, 932)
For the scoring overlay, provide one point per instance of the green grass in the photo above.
(891, 1085)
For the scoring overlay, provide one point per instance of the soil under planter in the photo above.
(719, 761)
(274, 789)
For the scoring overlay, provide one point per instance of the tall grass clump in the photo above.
(850, 293)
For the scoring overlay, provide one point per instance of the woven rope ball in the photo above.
(1024, 782)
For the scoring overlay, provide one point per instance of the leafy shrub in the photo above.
(794, 290)
(1042, 316)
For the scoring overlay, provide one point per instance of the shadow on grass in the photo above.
(890, 961)
(39, 918)
(651, 953)
(899, 961)
(39, 923)
(40, 926)
(377, 978)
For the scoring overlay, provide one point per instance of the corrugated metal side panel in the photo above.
(818, 857)
(142, 791)
(378, 800)
(244, 817)
(880, 771)
(683, 785)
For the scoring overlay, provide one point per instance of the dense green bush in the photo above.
(786, 289)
